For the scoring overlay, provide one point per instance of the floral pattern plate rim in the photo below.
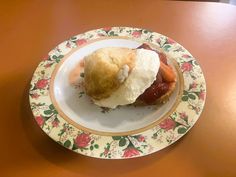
(169, 130)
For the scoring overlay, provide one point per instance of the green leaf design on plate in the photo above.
(166, 47)
(96, 146)
(73, 38)
(177, 124)
(116, 137)
(185, 92)
(60, 56)
(191, 96)
(154, 135)
(58, 60)
(122, 142)
(182, 130)
(54, 57)
(145, 31)
(55, 111)
(61, 132)
(67, 143)
(91, 148)
(51, 107)
(112, 33)
(47, 112)
(74, 147)
(185, 98)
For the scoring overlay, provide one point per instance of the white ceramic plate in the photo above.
(68, 116)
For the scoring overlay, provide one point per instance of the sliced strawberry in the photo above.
(167, 73)
(163, 79)
(155, 91)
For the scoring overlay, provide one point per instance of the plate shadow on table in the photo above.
(76, 163)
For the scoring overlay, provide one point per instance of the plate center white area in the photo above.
(86, 114)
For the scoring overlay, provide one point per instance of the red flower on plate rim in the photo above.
(202, 95)
(170, 41)
(186, 66)
(141, 138)
(186, 56)
(136, 34)
(82, 140)
(81, 42)
(40, 120)
(130, 152)
(183, 115)
(41, 84)
(167, 124)
(55, 123)
(107, 29)
(34, 95)
(193, 85)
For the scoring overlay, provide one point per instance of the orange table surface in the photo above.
(30, 29)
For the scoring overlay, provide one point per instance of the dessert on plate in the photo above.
(115, 76)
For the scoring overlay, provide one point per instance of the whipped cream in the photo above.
(123, 73)
(141, 77)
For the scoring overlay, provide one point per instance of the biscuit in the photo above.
(106, 69)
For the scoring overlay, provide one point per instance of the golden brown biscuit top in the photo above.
(106, 69)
